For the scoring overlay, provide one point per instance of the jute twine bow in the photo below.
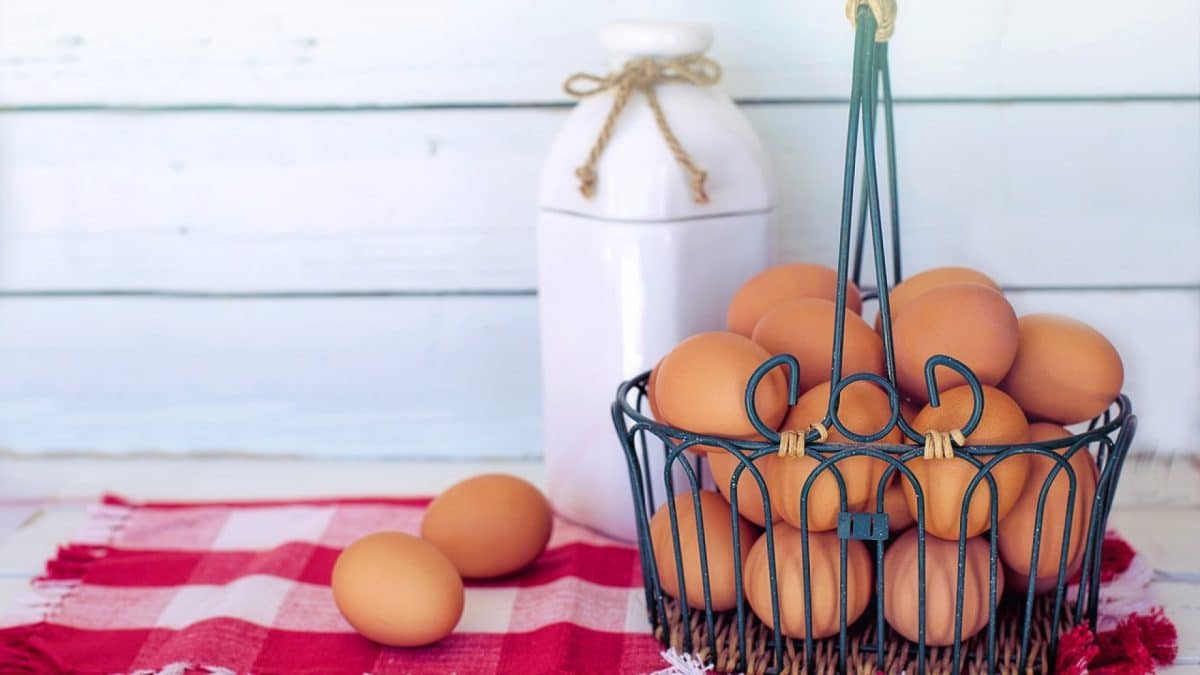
(940, 444)
(642, 75)
(791, 443)
(885, 16)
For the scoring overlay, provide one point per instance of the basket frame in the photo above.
(1108, 436)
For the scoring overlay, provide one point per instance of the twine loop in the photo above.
(940, 444)
(642, 75)
(885, 16)
(792, 443)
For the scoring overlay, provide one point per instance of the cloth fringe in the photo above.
(40, 602)
(183, 668)
(682, 664)
(1137, 646)
(105, 522)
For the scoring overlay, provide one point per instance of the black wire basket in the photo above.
(1022, 630)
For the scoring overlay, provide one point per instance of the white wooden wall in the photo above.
(300, 226)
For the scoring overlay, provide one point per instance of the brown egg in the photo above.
(1015, 536)
(489, 525)
(969, 322)
(780, 284)
(718, 544)
(909, 410)
(750, 501)
(825, 579)
(397, 590)
(804, 329)
(908, 290)
(651, 386)
(1065, 370)
(901, 581)
(944, 481)
(701, 386)
(895, 506)
(863, 409)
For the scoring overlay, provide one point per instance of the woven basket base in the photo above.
(899, 656)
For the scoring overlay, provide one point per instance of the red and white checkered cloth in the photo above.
(244, 588)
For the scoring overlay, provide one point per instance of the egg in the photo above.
(489, 525)
(824, 573)
(804, 329)
(780, 284)
(701, 386)
(651, 389)
(397, 590)
(909, 411)
(969, 322)
(909, 289)
(944, 481)
(750, 501)
(1015, 532)
(718, 543)
(902, 577)
(863, 409)
(1065, 370)
(895, 506)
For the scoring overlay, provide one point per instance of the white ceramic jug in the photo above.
(625, 275)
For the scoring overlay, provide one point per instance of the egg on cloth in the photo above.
(1015, 532)
(863, 409)
(824, 575)
(901, 581)
(489, 525)
(908, 290)
(969, 322)
(944, 481)
(717, 519)
(804, 329)
(397, 589)
(701, 386)
(1065, 371)
(782, 283)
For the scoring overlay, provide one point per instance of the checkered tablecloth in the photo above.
(224, 588)
(244, 588)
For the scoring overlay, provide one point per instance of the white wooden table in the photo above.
(44, 501)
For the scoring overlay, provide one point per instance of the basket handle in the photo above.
(885, 16)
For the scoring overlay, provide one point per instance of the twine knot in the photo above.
(940, 444)
(792, 443)
(885, 16)
(642, 75)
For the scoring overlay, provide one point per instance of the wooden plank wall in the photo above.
(285, 226)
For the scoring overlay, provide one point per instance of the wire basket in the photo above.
(1022, 629)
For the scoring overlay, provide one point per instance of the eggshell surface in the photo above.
(804, 328)
(1065, 371)
(782, 283)
(896, 508)
(489, 525)
(651, 392)
(1015, 536)
(863, 409)
(397, 590)
(717, 520)
(944, 482)
(901, 579)
(969, 322)
(824, 572)
(918, 284)
(701, 386)
(750, 500)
